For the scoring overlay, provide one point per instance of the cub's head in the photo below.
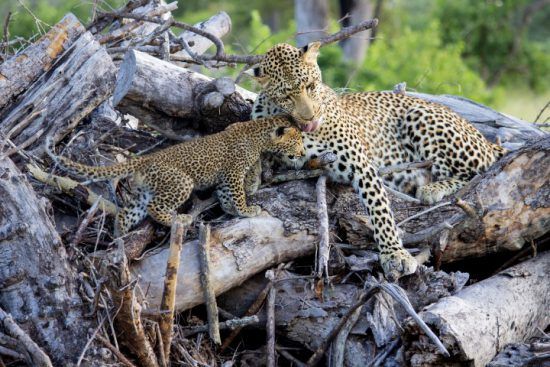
(291, 78)
(287, 141)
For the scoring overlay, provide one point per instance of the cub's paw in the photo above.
(250, 211)
(397, 264)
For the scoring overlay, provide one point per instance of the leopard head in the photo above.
(291, 78)
(287, 141)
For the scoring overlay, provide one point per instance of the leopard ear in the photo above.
(310, 52)
(257, 73)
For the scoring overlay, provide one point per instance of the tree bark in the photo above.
(478, 321)
(143, 90)
(21, 70)
(354, 12)
(80, 80)
(311, 20)
(37, 285)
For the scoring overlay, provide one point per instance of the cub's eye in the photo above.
(310, 87)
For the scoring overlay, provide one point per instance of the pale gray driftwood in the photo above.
(153, 89)
(478, 321)
(21, 70)
(79, 81)
(219, 25)
(38, 287)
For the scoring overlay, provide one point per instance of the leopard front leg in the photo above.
(232, 196)
(396, 261)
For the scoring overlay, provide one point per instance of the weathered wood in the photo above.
(80, 80)
(238, 250)
(37, 285)
(219, 25)
(21, 70)
(479, 320)
(147, 86)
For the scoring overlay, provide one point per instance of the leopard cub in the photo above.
(165, 179)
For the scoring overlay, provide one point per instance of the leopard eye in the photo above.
(310, 87)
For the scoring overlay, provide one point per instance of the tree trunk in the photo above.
(21, 70)
(37, 284)
(353, 12)
(311, 20)
(478, 321)
(79, 81)
(143, 90)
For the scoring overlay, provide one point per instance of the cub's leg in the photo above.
(457, 150)
(170, 188)
(132, 213)
(232, 197)
(253, 178)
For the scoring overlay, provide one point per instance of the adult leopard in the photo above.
(369, 130)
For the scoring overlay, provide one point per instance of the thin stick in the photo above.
(254, 308)
(396, 168)
(232, 324)
(36, 355)
(423, 212)
(322, 214)
(209, 294)
(402, 196)
(401, 297)
(296, 362)
(270, 325)
(7, 33)
(349, 31)
(382, 356)
(121, 357)
(363, 297)
(166, 322)
(85, 222)
(339, 344)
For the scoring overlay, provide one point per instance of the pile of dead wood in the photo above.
(125, 85)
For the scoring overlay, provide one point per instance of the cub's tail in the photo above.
(118, 170)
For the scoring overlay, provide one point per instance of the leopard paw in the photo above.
(250, 211)
(397, 264)
(429, 195)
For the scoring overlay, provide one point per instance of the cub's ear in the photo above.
(257, 73)
(281, 131)
(310, 52)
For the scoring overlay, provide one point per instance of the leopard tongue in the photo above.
(310, 126)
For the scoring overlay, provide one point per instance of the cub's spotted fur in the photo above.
(165, 179)
(369, 130)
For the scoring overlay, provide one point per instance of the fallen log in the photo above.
(21, 70)
(38, 287)
(219, 25)
(149, 89)
(478, 321)
(82, 77)
(238, 250)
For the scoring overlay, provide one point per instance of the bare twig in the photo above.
(209, 294)
(339, 344)
(401, 297)
(33, 354)
(270, 326)
(289, 356)
(6, 35)
(396, 168)
(401, 195)
(121, 357)
(542, 111)
(85, 222)
(166, 322)
(232, 324)
(380, 358)
(318, 354)
(253, 309)
(322, 214)
(430, 209)
(349, 31)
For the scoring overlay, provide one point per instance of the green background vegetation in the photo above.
(481, 49)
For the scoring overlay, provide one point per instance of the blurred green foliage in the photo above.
(476, 48)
